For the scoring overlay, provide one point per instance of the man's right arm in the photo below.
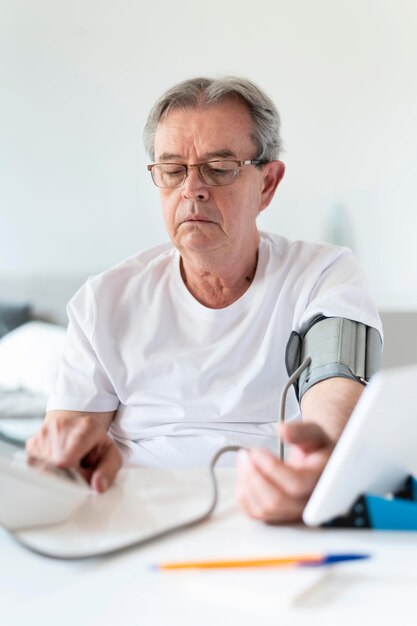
(79, 440)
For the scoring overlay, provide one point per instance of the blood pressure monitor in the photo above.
(37, 494)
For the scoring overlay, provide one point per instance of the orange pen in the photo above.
(282, 561)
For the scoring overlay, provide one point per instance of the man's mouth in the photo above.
(197, 218)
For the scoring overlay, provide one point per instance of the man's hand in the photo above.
(72, 439)
(273, 491)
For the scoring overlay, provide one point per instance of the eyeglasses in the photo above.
(213, 173)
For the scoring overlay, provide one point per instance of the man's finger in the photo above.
(107, 467)
(263, 500)
(306, 435)
(253, 488)
(294, 482)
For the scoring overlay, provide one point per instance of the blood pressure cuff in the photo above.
(338, 348)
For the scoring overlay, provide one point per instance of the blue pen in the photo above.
(330, 559)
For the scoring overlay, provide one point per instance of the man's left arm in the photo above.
(330, 403)
(273, 491)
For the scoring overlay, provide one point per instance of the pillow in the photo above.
(13, 315)
(30, 357)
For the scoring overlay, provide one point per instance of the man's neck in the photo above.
(218, 284)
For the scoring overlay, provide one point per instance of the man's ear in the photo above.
(272, 176)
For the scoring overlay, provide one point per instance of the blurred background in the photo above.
(77, 79)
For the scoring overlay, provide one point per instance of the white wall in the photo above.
(77, 78)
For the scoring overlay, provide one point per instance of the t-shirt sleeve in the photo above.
(82, 383)
(340, 290)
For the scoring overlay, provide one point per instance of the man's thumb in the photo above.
(307, 436)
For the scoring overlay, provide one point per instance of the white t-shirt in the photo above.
(186, 379)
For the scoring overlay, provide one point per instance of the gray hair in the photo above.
(205, 92)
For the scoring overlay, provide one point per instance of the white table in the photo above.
(123, 590)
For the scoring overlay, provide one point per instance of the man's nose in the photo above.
(194, 188)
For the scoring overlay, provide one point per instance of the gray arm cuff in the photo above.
(338, 347)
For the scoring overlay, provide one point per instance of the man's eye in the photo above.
(218, 171)
(173, 172)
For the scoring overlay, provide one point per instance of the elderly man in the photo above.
(180, 349)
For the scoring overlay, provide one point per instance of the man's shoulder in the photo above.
(147, 264)
(137, 263)
(302, 251)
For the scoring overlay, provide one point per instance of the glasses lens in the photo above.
(168, 175)
(219, 172)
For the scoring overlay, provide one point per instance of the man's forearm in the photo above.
(330, 404)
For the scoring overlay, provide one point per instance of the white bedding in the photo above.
(26, 378)
(29, 361)
(21, 414)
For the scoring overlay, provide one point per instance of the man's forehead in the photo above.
(217, 131)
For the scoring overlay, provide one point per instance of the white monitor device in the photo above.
(38, 494)
(377, 449)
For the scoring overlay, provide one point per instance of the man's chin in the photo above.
(198, 242)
